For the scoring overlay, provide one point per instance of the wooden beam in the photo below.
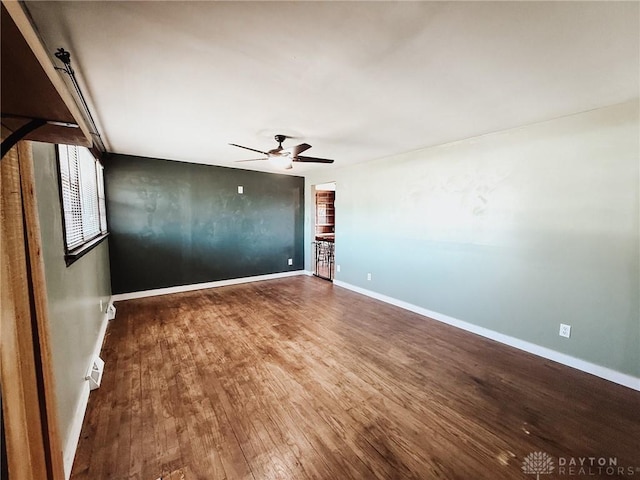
(44, 360)
(21, 20)
(20, 403)
(16, 136)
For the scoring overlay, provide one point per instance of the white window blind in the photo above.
(82, 183)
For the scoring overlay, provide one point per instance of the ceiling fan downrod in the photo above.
(280, 139)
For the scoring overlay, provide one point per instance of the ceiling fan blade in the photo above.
(300, 158)
(298, 149)
(247, 148)
(253, 159)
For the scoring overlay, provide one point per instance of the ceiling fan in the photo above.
(284, 157)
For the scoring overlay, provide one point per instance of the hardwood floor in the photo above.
(299, 379)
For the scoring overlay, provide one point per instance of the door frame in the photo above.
(29, 410)
(323, 251)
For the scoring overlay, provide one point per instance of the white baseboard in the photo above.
(200, 286)
(97, 348)
(76, 428)
(597, 370)
(71, 444)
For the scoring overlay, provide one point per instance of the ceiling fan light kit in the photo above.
(281, 161)
(284, 157)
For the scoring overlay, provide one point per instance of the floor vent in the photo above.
(94, 375)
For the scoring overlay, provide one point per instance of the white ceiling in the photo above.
(357, 80)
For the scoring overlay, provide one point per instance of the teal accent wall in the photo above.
(177, 223)
(74, 293)
(515, 231)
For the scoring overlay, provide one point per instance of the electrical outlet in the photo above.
(240, 189)
(338, 268)
(368, 276)
(565, 330)
(290, 261)
(101, 306)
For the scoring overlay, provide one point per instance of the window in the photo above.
(83, 201)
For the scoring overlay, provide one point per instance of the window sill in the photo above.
(82, 250)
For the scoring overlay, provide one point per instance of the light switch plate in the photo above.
(565, 330)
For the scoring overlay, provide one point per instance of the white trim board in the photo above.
(71, 444)
(200, 286)
(588, 367)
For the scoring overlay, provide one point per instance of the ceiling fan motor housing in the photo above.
(277, 152)
(291, 154)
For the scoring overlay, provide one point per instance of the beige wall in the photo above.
(515, 231)
(74, 294)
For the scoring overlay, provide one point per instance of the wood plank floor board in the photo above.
(151, 434)
(298, 379)
(230, 442)
(292, 436)
(342, 388)
(166, 447)
(118, 441)
(328, 383)
(134, 456)
(556, 380)
(198, 426)
(247, 396)
(239, 352)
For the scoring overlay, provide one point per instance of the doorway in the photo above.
(324, 231)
